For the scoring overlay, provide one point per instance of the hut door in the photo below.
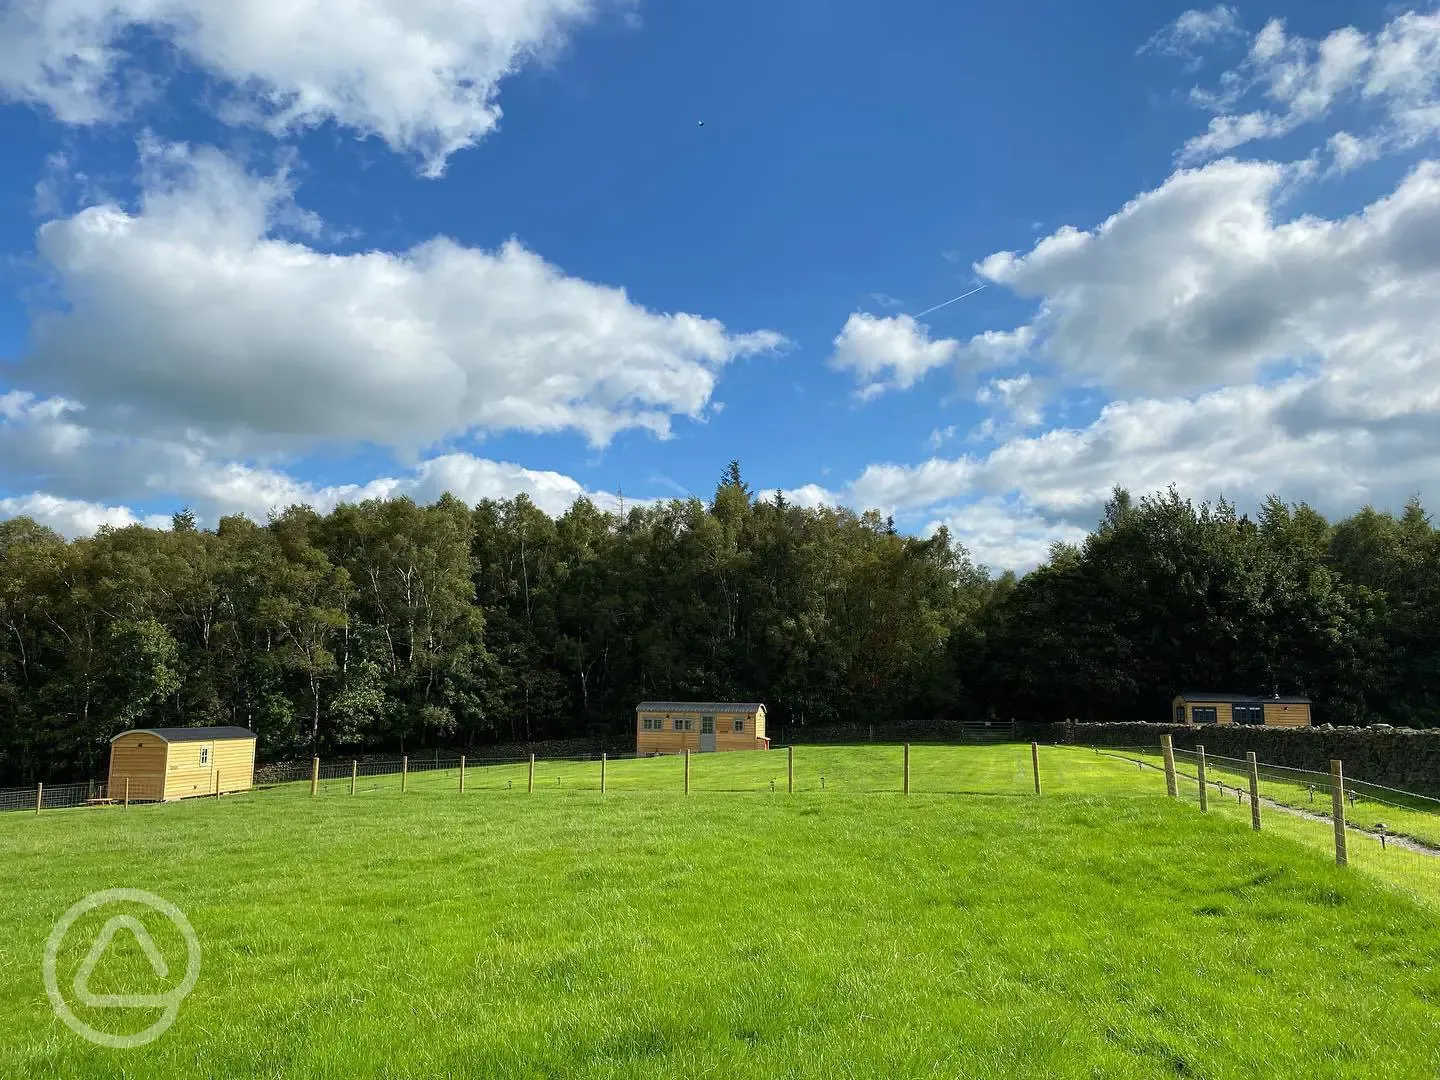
(707, 733)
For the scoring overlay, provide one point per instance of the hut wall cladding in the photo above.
(669, 741)
(141, 757)
(1404, 758)
(185, 775)
(233, 759)
(1286, 714)
(1276, 713)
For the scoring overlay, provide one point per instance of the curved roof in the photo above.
(192, 734)
(700, 706)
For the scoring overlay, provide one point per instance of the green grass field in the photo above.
(1101, 930)
(1418, 821)
(1416, 872)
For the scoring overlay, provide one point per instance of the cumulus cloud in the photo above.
(423, 75)
(1197, 284)
(1394, 74)
(809, 496)
(191, 314)
(73, 517)
(1004, 534)
(1254, 355)
(889, 353)
(1020, 399)
(1239, 442)
(38, 441)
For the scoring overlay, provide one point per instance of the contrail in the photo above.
(947, 303)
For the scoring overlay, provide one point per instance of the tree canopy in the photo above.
(385, 624)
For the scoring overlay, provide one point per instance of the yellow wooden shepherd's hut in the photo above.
(1274, 711)
(668, 727)
(164, 764)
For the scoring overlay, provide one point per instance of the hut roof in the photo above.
(192, 734)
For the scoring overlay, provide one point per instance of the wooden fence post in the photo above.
(531, 786)
(1167, 750)
(603, 758)
(39, 796)
(907, 768)
(790, 769)
(127, 793)
(314, 776)
(1035, 764)
(217, 783)
(1204, 795)
(1337, 809)
(1254, 790)
(404, 772)
(354, 774)
(462, 774)
(687, 771)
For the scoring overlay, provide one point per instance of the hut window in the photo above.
(204, 755)
(684, 723)
(1179, 714)
(1204, 714)
(739, 723)
(1249, 714)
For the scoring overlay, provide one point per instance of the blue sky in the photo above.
(224, 286)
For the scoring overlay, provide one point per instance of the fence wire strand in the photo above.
(1390, 835)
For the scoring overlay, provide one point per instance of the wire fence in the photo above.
(876, 768)
(867, 769)
(70, 796)
(1391, 834)
(1388, 834)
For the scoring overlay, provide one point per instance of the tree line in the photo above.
(387, 625)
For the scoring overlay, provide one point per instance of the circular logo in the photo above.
(169, 1001)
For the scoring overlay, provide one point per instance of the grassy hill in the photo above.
(1100, 930)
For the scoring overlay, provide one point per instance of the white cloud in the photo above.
(997, 348)
(74, 517)
(1004, 534)
(191, 315)
(1395, 73)
(1196, 284)
(98, 469)
(1021, 397)
(255, 492)
(1241, 442)
(423, 75)
(809, 496)
(1256, 355)
(889, 353)
(940, 436)
(897, 489)
(1195, 28)
(1348, 152)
